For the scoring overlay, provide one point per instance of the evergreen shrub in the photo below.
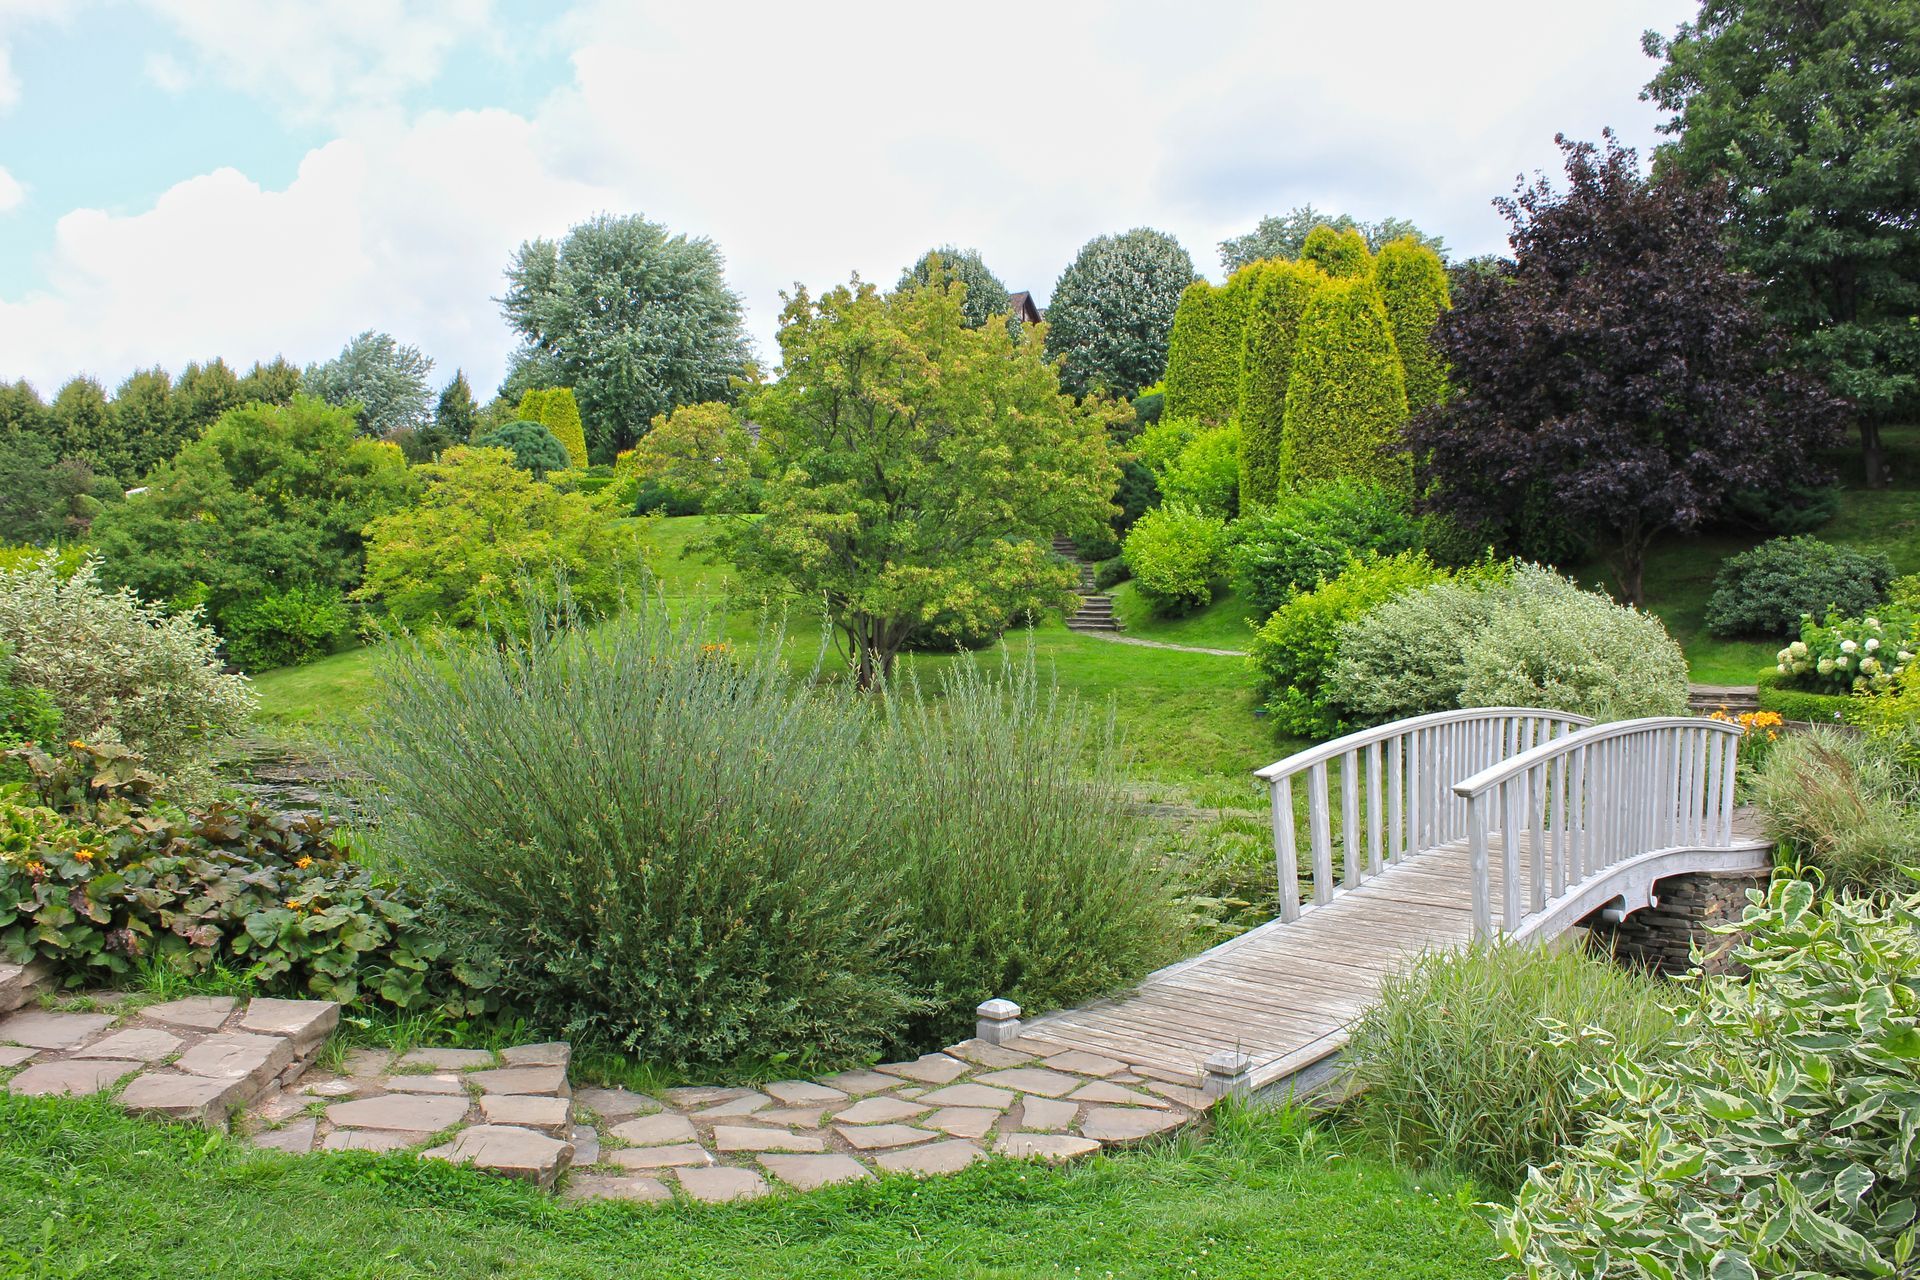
(1271, 334)
(1766, 591)
(1310, 534)
(1346, 395)
(1177, 556)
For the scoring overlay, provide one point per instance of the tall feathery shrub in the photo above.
(1341, 254)
(1203, 352)
(1270, 338)
(1413, 284)
(1346, 396)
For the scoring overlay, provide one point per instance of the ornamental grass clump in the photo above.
(1843, 807)
(662, 844)
(1473, 1060)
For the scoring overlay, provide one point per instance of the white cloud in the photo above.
(326, 59)
(167, 73)
(816, 147)
(12, 194)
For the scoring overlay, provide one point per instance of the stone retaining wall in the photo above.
(1662, 937)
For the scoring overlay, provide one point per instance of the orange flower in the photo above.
(303, 862)
(36, 869)
(293, 904)
(83, 855)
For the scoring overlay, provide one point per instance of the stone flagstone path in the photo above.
(260, 1068)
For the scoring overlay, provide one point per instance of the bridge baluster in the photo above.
(1477, 872)
(1317, 834)
(1286, 860)
(1536, 837)
(1396, 779)
(1350, 835)
(1376, 831)
(1724, 824)
(1510, 852)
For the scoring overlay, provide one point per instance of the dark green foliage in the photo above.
(1203, 353)
(986, 296)
(205, 391)
(270, 497)
(534, 448)
(1341, 254)
(1110, 573)
(1097, 546)
(635, 319)
(43, 500)
(1311, 534)
(692, 858)
(1281, 238)
(1138, 492)
(286, 628)
(1112, 309)
(1795, 506)
(1765, 591)
(1272, 332)
(81, 422)
(1462, 1062)
(127, 883)
(1413, 285)
(1804, 113)
(1148, 406)
(655, 496)
(147, 425)
(1346, 397)
(455, 417)
(276, 382)
(1782, 694)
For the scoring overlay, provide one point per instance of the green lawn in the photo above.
(1221, 625)
(85, 1191)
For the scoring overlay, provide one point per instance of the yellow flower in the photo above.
(293, 904)
(78, 745)
(83, 855)
(303, 862)
(36, 869)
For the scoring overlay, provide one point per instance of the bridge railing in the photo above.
(1396, 790)
(1568, 810)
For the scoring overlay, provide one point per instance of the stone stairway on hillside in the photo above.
(1096, 607)
(1734, 699)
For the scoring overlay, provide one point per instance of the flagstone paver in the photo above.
(252, 1064)
(46, 1029)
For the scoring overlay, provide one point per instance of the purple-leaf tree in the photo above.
(1621, 376)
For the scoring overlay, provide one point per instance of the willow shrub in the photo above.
(693, 857)
(1473, 1060)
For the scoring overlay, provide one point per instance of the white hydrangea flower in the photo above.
(1869, 665)
(1798, 648)
(1842, 661)
(1848, 646)
(1872, 645)
(1826, 666)
(1872, 622)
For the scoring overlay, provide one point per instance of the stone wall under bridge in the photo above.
(1688, 907)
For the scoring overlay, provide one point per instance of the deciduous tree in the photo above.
(1285, 235)
(382, 380)
(1804, 111)
(916, 468)
(634, 318)
(986, 295)
(1623, 375)
(1112, 311)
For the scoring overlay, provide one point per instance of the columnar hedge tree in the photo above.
(1413, 284)
(1112, 311)
(1622, 376)
(1346, 395)
(1803, 111)
(635, 319)
(1341, 254)
(1203, 352)
(916, 467)
(557, 410)
(1272, 334)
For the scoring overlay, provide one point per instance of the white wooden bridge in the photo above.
(1426, 834)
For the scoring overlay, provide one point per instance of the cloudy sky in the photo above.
(187, 178)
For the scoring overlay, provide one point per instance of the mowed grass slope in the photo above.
(85, 1191)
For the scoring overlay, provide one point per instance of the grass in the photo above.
(1221, 625)
(85, 1191)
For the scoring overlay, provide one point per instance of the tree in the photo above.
(44, 498)
(276, 382)
(1804, 112)
(557, 410)
(204, 392)
(269, 498)
(1341, 254)
(82, 424)
(1413, 283)
(916, 470)
(986, 296)
(1346, 395)
(455, 415)
(383, 381)
(534, 448)
(1272, 335)
(697, 452)
(22, 412)
(635, 319)
(483, 536)
(1112, 311)
(1623, 376)
(1284, 236)
(1203, 351)
(146, 424)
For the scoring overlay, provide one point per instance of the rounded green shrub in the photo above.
(1766, 591)
(1310, 534)
(1783, 695)
(1177, 556)
(287, 628)
(1341, 253)
(1270, 336)
(1206, 474)
(534, 448)
(1473, 1061)
(1346, 396)
(1203, 352)
(1295, 651)
(1413, 285)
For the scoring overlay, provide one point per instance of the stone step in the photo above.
(1092, 624)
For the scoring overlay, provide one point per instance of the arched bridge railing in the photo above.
(1396, 790)
(1566, 812)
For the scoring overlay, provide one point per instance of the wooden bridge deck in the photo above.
(1285, 994)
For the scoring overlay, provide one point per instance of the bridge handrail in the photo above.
(1591, 799)
(1408, 766)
